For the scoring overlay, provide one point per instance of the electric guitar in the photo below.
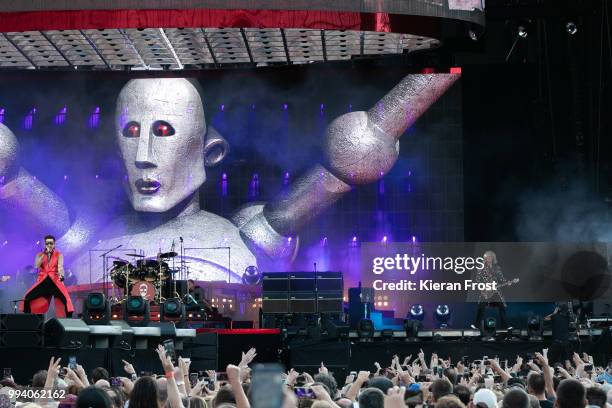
(487, 294)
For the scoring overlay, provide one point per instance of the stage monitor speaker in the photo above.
(124, 341)
(330, 281)
(302, 282)
(274, 282)
(330, 302)
(21, 322)
(21, 339)
(66, 333)
(302, 303)
(275, 302)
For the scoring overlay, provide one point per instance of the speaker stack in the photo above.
(21, 330)
(300, 294)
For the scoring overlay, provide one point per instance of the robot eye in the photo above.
(131, 129)
(161, 128)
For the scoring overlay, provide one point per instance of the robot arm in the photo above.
(21, 192)
(360, 148)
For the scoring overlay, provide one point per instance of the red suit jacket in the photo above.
(50, 268)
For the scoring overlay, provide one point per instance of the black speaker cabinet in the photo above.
(20, 339)
(66, 333)
(275, 302)
(302, 303)
(21, 322)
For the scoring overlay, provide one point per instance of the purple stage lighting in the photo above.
(222, 108)
(413, 239)
(60, 118)
(286, 179)
(354, 241)
(350, 107)
(384, 240)
(28, 122)
(324, 241)
(254, 187)
(1, 115)
(285, 106)
(224, 185)
(94, 118)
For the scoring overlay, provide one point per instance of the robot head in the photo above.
(160, 128)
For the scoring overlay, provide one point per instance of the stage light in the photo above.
(413, 239)
(251, 276)
(522, 32)
(384, 240)
(534, 328)
(571, 28)
(1, 115)
(412, 329)
(365, 329)
(222, 108)
(285, 106)
(442, 315)
(96, 309)
(60, 118)
(173, 310)
(489, 328)
(136, 311)
(417, 312)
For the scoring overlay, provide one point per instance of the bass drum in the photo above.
(144, 289)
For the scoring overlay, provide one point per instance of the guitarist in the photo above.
(490, 273)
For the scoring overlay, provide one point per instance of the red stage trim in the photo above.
(239, 331)
(310, 19)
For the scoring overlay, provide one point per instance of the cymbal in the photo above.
(171, 254)
(120, 262)
(135, 255)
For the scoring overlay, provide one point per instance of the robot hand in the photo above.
(9, 152)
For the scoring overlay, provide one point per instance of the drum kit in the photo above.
(143, 276)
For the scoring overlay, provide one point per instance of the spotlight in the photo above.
(136, 311)
(522, 32)
(442, 316)
(173, 310)
(96, 309)
(365, 329)
(417, 312)
(489, 329)
(571, 28)
(251, 276)
(412, 329)
(534, 328)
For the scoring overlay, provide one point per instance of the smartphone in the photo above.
(115, 382)
(304, 392)
(221, 376)
(7, 373)
(193, 379)
(72, 362)
(465, 360)
(477, 362)
(62, 372)
(170, 350)
(421, 378)
(497, 379)
(588, 368)
(353, 373)
(487, 362)
(267, 386)
(146, 373)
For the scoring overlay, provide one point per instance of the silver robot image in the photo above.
(166, 145)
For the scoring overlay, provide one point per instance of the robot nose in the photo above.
(144, 155)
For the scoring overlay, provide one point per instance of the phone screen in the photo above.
(115, 382)
(221, 376)
(72, 362)
(267, 386)
(304, 392)
(169, 346)
(193, 379)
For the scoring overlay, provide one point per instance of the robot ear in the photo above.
(215, 148)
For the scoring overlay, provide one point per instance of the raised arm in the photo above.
(360, 148)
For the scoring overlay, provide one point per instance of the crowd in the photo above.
(528, 382)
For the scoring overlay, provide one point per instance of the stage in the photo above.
(213, 349)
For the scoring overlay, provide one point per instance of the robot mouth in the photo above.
(147, 186)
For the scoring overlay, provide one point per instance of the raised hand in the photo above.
(323, 369)
(128, 367)
(233, 374)
(292, 375)
(248, 357)
(407, 360)
(395, 397)
(165, 360)
(363, 376)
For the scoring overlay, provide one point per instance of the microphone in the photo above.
(315, 266)
(181, 239)
(172, 247)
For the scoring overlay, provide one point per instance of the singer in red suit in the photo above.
(50, 264)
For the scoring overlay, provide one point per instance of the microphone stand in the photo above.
(105, 267)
